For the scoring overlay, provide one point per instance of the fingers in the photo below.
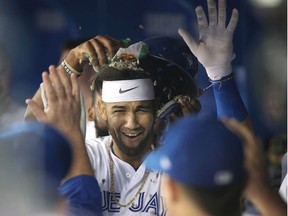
(65, 81)
(37, 111)
(96, 51)
(189, 40)
(63, 99)
(212, 13)
(219, 20)
(222, 13)
(89, 52)
(111, 44)
(99, 53)
(49, 89)
(233, 21)
(195, 104)
(248, 137)
(252, 145)
(98, 47)
(238, 128)
(189, 105)
(202, 20)
(58, 85)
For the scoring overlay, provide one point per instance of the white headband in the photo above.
(127, 90)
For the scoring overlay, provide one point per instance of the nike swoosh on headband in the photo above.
(126, 90)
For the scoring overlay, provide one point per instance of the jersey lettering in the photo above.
(152, 205)
(109, 204)
(139, 206)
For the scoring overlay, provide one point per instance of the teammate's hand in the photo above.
(96, 51)
(257, 177)
(214, 49)
(37, 99)
(63, 96)
(189, 105)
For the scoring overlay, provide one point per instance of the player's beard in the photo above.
(135, 151)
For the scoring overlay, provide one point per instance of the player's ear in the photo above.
(91, 114)
(102, 108)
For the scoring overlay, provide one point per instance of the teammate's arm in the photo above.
(214, 50)
(95, 51)
(63, 97)
(257, 188)
(79, 186)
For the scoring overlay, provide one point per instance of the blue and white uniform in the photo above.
(127, 182)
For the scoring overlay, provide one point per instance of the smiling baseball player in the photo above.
(129, 109)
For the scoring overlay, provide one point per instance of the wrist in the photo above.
(218, 71)
(74, 61)
(69, 69)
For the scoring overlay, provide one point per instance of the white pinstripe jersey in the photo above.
(126, 183)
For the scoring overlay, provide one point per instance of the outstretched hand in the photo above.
(63, 96)
(214, 49)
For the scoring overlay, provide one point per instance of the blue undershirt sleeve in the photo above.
(228, 100)
(82, 195)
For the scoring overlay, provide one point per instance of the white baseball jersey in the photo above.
(127, 182)
(90, 130)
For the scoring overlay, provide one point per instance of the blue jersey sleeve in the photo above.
(83, 196)
(228, 100)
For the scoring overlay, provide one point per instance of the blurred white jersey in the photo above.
(127, 182)
(283, 189)
(90, 130)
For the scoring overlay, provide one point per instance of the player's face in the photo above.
(131, 125)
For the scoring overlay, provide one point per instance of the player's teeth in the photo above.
(132, 135)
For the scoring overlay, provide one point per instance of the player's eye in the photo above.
(143, 110)
(119, 111)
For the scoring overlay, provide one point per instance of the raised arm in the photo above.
(80, 188)
(214, 50)
(64, 114)
(257, 188)
(96, 51)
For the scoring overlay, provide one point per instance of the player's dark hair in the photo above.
(221, 201)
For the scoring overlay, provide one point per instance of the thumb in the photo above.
(189, 40)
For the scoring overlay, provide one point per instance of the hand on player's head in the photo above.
(96, 51)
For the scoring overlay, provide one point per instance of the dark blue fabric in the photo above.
(228, 100)
(83, 196)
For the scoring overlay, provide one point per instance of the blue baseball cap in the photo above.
(199, 152)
